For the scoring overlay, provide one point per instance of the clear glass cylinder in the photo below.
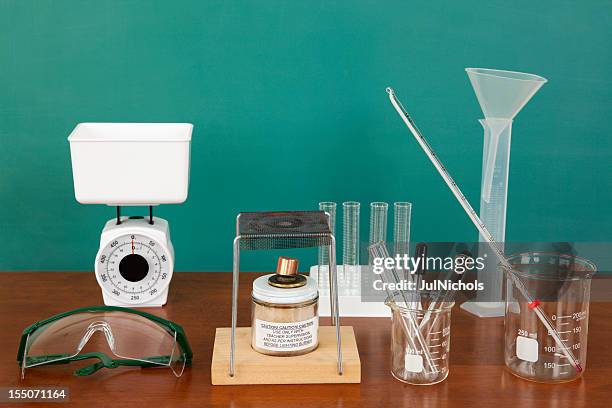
(330, 208)
(350, 238)
(561, 285)
(378, 222)
(402, 212)
(408, 362)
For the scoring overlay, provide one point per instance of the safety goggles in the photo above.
(134, 338)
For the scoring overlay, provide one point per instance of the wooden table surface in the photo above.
(200, 302)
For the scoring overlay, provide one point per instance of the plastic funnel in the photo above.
(502, 94)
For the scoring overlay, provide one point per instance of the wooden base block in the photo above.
(317, 367)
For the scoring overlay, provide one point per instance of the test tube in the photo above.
(323, 264)
(350, 239)
(402, 211)
(378, 222)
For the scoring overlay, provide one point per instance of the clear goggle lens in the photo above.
(129, 337)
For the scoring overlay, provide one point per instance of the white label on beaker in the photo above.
(527, 349)
(413, 363)
(286, 336)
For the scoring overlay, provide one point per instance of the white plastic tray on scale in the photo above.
(349, 292)
(130, 163)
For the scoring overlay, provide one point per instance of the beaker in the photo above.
(561, 286)
(407, 360)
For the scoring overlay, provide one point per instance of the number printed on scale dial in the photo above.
(133, 267)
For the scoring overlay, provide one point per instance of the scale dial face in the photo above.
(133, 268)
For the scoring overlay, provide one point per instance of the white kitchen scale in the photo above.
(132, 164)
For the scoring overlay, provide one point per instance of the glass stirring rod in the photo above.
(534, 304)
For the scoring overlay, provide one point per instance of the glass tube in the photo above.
(402, 212)
(350, 243)
(323, 264)
(378, 222)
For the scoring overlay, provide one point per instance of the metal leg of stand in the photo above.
(333, 284)
(234, 304)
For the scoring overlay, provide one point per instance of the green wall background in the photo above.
(289, 108)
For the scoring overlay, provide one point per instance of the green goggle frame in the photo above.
(172, 328)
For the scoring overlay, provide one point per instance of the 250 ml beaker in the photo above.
(561, 285)
(409, 363)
